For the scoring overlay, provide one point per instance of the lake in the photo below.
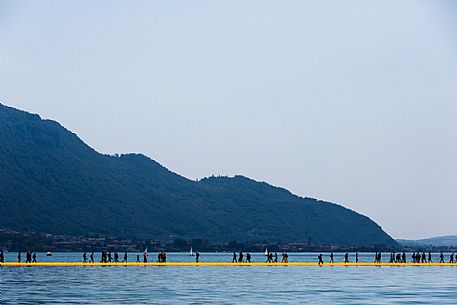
(226, 285)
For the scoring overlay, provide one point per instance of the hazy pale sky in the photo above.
(353, 102)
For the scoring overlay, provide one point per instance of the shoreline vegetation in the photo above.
(11, 240)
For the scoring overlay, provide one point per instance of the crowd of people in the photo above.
(29, 257)
(270, 257)
(419, 258)
(162, 257)
(106, 257)
(332, 258)
(274, 258)
(398, 258)
(240, 257)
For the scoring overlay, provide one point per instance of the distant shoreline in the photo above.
(13, 241)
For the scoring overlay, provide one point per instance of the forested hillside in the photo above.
(51, 181)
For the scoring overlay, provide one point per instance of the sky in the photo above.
(353, 102)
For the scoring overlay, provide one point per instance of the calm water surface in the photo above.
(225, 285)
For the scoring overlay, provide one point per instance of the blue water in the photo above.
(226, 285)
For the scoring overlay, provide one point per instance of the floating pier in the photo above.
(223, 264)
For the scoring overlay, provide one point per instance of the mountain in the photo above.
(51, 181)
(440, 241)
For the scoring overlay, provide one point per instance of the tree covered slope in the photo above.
(51, 181)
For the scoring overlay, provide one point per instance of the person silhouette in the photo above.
(248, 257)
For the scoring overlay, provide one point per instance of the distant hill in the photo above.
(441, 241)
(51, 181)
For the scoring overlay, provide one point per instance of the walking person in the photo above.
(240, 259)
(84, 257)
(125, 257)
(248, 257)
(197, 257)
(429, 257)
(331, 257)
(19, 257)
(378, 257)
(234, 260)
(2, 257)
(357, 257)
(441, 258)
(321, 262)
(346, 258)
(34, 258)
(92, 257)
